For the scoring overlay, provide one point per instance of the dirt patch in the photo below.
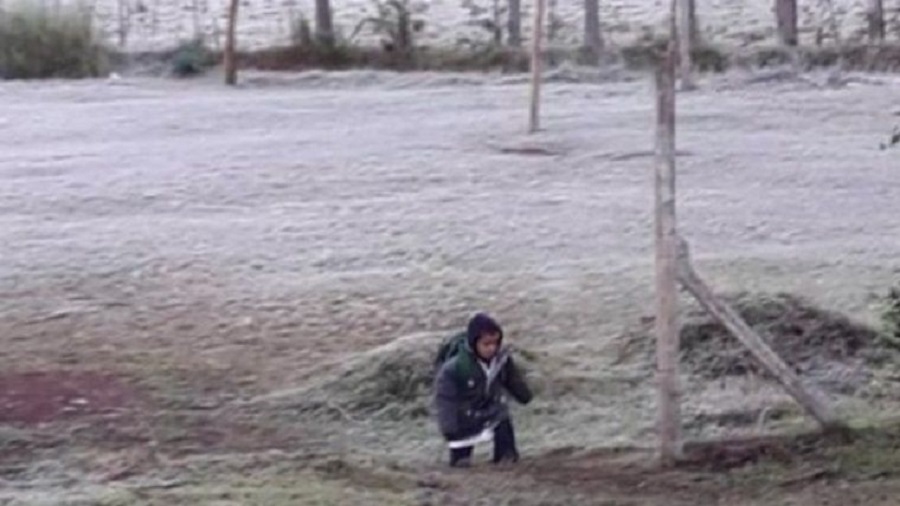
(228, 431)
(37, 397)
(625, 477)
(716, 470)
(811, 339)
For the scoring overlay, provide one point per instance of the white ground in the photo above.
(266, 230)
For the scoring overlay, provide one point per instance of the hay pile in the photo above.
(392, 382)
(890, 316)
(809, 338)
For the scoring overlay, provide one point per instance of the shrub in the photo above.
(710, 59)
(37, 42)
(397, 23)
(192, 58)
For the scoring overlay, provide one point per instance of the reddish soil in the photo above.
(37, 397)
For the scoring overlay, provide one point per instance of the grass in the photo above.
(890, 316)
(302, 488)
(37, 42)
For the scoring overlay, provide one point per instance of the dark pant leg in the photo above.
(505, 442)
(457, 454)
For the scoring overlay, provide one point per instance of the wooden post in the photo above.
(536, 59)
(230, 43)
(876, 21)
(808, 398)
(685, 32)
(667, 332)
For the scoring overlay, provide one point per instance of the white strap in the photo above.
(484, 436)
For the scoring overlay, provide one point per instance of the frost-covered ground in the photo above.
(246, 238)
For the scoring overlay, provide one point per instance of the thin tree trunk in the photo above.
(230, 44)
(514, 23)
(876, 20)
(324, 23)
(696, 39)
(552, 23)
(667, 335)
(195, 17)
(496, 24)
(786, 16)
(685, 29)
(593, 37)
(534, 119)
(123, 22)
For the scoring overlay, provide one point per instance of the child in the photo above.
(468, 395)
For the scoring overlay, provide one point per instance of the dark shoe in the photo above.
(508, 459)
(463, 463)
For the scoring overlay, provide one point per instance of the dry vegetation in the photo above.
(37, 41)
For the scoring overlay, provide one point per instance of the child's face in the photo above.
(487, 345)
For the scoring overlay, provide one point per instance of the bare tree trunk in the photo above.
(324, 24)
(696, 40)
(684, 30)
(195, 17)
(593, 37)
(553, 24)
(496, 24)
(786, 15)
(534, 120)
(514, 23)
(230, 43)
(124, 21)
(667, 335)
(876, 20)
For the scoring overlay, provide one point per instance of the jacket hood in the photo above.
(479, 324)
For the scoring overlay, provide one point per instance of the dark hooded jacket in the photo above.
(467, 397)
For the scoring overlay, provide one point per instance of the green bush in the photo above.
(37, 42)
(710, 59)
(192, 58)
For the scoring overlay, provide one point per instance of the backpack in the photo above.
(449, 348)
